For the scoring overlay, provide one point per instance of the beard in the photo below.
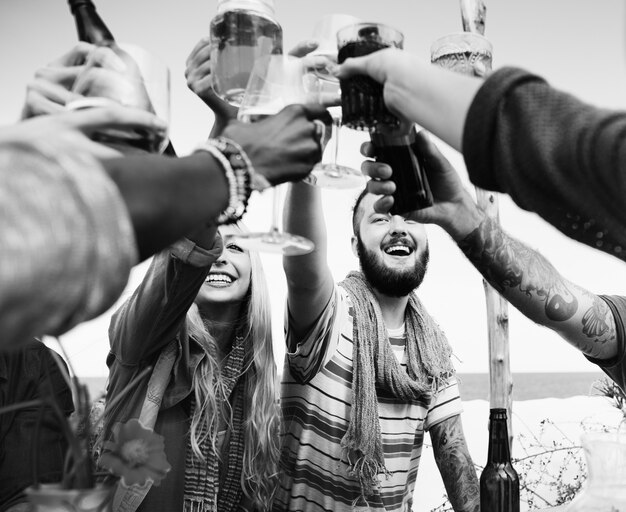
(388, 281)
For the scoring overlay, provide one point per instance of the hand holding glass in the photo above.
(132, 77)
(323, 84)
(276, 82)
(362, 100)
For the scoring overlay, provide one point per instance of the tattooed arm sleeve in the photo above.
(455, 465)
(531, 284)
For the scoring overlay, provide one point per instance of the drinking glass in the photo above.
(276, 81)
(364, 108)
(362, 100)
(241, 32)
(323, 84)
(131, 76)
(464, 52)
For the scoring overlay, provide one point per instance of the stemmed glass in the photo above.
(276, 81)
(322, 84)
(130, 76)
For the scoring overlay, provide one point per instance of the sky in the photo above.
(577, 46)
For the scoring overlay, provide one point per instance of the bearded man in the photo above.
(367, 371)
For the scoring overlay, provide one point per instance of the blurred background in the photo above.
(577, 46)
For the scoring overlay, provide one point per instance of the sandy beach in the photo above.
(538, 426)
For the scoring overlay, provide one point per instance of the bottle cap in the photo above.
(498, 413)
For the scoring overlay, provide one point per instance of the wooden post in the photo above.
(474, 17)
(500, 378)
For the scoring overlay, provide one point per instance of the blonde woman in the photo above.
(218, 413)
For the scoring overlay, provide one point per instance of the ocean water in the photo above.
(532, 386)
(475, 386)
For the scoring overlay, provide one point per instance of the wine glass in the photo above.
(130, 76)
(322, 84)
(276, 81)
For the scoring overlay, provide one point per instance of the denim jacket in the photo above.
(145, 324)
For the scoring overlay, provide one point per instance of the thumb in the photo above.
(303, 48)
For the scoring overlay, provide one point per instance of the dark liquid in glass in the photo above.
(362, 101)
(402, 155)
(238, 39)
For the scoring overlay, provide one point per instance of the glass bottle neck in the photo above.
(89, 25)
(499, 451)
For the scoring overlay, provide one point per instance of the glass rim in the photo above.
(260, 6)
(353, 26)
(438, 46)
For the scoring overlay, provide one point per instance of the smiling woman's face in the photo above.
(229, 278)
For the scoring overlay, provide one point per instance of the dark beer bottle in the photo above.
(409, 173)
(499, 483)
(89, 24)
(91, 28)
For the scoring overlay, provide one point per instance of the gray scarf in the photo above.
(374, 363)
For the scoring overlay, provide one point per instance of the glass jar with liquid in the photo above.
(241, 32)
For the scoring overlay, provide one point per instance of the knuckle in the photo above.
(40, 73)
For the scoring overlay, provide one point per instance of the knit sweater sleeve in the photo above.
(553, 154)
(67, 240)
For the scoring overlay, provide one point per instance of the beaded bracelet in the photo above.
(238, 183)
(238, 157)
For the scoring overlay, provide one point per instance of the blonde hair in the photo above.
(261, 416)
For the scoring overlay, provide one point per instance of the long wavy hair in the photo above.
(261, 415)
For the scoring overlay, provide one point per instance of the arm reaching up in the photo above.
(309, 280)
(521, 275)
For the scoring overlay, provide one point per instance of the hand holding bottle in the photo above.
(50, 89)
(128, 76)
(453, 208)
(71, 131)
(111, 73)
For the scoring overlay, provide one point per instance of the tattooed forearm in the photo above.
(510, 266)
(598, 325)
(455, 465)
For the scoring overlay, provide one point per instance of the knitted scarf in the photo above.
(375, 364)
(216, 484)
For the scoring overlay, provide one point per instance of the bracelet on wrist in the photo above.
(238, 179)
(238, 158)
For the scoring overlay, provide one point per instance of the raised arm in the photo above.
(154, 314)
(455, 464)
(523, 276)
(419, 92)
(528, 281)
(309, 280)
(516, 131)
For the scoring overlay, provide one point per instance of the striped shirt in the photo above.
(316, 400)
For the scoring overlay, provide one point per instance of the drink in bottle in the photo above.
(400, 152)
(499, 483)
(129, 90)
